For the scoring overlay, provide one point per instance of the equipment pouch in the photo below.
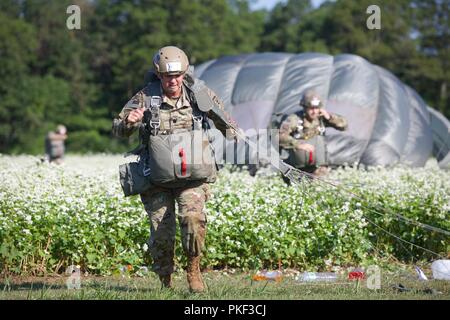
(132, 178)
(302, 159)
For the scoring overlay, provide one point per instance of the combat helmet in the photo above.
(61, 129)
(311, 100)
(170, 60)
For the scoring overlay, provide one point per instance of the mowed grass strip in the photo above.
(220, 286)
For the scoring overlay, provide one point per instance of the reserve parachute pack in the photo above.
(303, 159)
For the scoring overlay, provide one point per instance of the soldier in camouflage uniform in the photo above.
(299, 131)
(176, 113)
(54, 144)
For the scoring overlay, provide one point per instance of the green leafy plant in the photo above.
(52, 217)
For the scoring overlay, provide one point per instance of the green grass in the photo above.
(221, 285)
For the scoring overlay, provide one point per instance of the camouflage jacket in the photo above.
(297, 127)
(174, 114)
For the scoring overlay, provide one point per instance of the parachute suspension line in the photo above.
(399, 239)
(446, 144)
(403, 240)
(376, 225)
(295, 176)
(399, 216)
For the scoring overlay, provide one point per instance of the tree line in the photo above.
(82, 78)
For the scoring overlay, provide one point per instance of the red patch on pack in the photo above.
(182, 155)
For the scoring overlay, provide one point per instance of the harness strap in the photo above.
(155, 120)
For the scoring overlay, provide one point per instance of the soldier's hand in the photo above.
(305, 146)
(324, 113)
(135, 115)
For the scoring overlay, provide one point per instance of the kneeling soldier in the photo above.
(302, 134)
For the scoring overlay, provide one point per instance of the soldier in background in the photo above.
(302, 134)
(54, 144)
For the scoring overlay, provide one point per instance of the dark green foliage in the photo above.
(82, 78)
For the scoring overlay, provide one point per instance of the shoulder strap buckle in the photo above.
(197, 118)
(155, 124)
(155, 121)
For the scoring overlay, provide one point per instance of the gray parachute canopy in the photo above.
(440, 128)
(388, 121)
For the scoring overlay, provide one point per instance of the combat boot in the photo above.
(194, 276)
(166, 280)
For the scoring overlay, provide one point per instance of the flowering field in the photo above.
(55, 216)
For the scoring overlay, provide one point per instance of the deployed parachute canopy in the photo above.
(440, 128)
(388, 121)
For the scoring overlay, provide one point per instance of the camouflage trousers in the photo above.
(160, 206)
